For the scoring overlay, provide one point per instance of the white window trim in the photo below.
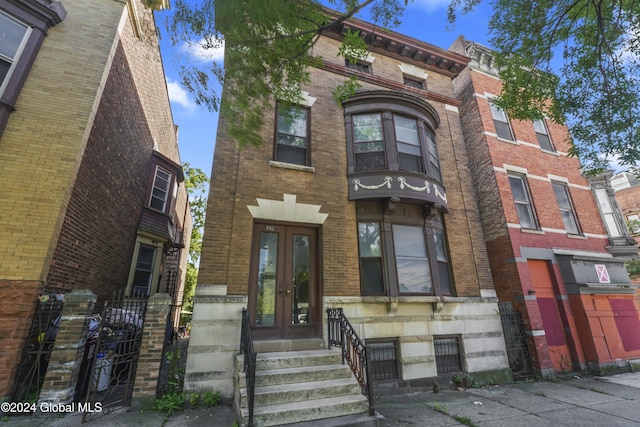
(168, 189)
(16, 58)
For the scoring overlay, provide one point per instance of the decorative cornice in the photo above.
(389, 84)
(404, 48)
(50, 12)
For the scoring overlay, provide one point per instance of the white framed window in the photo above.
(633, 222)
(160, 191)
(566, 207)
(607, 212)
(501, 123)
(523, 202)
(13, 38)
(542, 133)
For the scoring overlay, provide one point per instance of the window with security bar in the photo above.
(448, 354)
(383, 359)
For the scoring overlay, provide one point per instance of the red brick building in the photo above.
(551, 256)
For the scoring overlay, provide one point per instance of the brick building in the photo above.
(551, 256)
(366, 205)
(91, 184)
(627, 194)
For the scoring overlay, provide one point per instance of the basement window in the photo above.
(383, 359)
(448, 354)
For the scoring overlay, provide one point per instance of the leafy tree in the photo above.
(586, 57)
(574, 61)
(195, 182)
(268, 51)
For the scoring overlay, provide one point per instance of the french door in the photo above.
(284, 294)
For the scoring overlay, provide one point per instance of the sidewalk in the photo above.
(584, 402)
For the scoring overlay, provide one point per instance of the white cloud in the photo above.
(432, 5)
(196, 50)
(178, 95)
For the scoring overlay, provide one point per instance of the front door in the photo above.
(284, 295)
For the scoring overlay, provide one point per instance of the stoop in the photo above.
(308, 387)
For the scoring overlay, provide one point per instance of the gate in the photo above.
(38, 348)
(111, 356)
(515, 340)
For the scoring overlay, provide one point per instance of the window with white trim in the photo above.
(633, 222)
(608, 214)
(542, 133)
(161, 187)
(13, 37)
(522, 200)
(501, 123)
(566, 207)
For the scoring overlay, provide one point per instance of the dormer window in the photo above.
(161, 187)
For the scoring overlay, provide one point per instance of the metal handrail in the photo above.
(354, 351)
(249, 365)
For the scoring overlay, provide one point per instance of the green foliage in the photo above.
(170, 403)
(268, 50)
(211, 398)
(172, 398)
(595, 49)
(633, 267)
(462, 379)
(194, 399)
(196, 184)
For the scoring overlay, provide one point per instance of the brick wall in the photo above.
(43, 142)
(239, 178)
(17, 307)
(108, 194)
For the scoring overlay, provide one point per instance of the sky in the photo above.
(424, 20)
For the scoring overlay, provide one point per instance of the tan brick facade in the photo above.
(77, 156)
(245, 181)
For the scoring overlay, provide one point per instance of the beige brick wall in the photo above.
(43, 143)
(238, 178)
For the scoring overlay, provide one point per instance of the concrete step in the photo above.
(285, 393)
(308, 410)
(267, 346)
(297, 359)
(301, 374)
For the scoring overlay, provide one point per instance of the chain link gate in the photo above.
(515, 340)
(108, 368)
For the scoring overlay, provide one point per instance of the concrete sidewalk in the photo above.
(585, 402)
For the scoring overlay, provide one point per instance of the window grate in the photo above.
(383, 359)
(448, 355)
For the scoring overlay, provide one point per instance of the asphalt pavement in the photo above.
(578, 402)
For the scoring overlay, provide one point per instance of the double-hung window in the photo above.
(368, 141)
(501, 123)
(542, 133)
(522, 200)
(566, 208)
(13, 37)
(399, 254)
(143, 276)
(408, 143)
(292, 135)
(161, 187)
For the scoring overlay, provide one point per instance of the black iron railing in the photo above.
(249, 367)
(342, 334)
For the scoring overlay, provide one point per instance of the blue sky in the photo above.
(424, 20)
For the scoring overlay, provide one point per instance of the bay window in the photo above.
(391, 131)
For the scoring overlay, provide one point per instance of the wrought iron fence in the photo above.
(111, 355)
(39, 345)
(354, 351)
(515, 340)
(249, 366)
